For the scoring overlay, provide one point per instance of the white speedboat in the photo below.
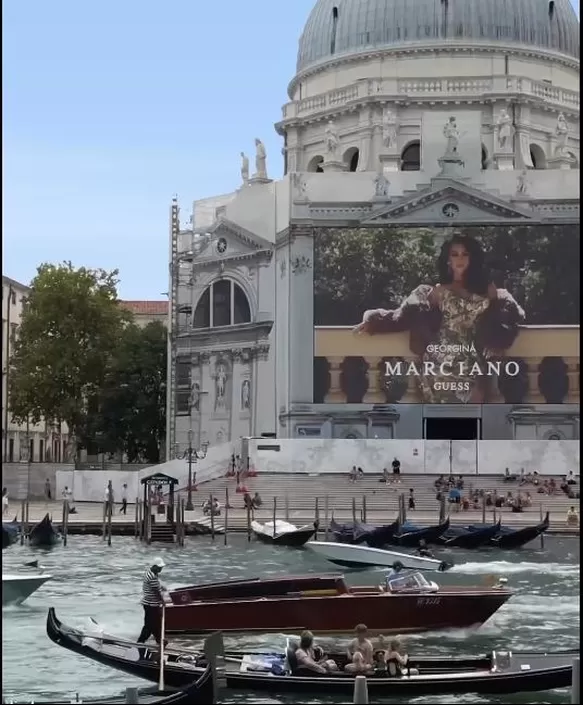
(16, 587)
(282, 533)
(356, 556)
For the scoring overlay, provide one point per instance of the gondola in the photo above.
(508, 538)
(199, 691)
(10, 532)
(283, 533)
(359, 532)
(500, 672)
(469, 537)
(44, 534)
(410, 537)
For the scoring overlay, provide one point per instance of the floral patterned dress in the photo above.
(455, 345)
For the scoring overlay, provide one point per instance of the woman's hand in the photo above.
(361, 328)
(364, 326)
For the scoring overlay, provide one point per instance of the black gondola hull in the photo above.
(470, 539)
(43, 534)
(430, 535)
(520, 537)
(552, 671)
(292, 539)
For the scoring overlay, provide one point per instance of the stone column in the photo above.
(534, 396)
(301, 315)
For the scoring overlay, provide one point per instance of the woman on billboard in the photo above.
(459, 327)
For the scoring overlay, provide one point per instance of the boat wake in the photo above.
(508, 568)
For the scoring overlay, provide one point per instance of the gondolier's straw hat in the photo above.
(158, 562)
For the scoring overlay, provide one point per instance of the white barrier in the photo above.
(427, 457)
(90, 485)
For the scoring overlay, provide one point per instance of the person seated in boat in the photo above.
(397, 660)
(311, 657)
(572, 517)
(423, 550)
(257, 501)
(360, 652)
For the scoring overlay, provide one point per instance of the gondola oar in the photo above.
(162, 632)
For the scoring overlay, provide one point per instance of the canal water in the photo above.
(94, 580)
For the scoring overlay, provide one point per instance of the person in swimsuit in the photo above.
(311, 657)
(397, 660)
(360, 652)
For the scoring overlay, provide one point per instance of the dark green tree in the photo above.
(71, 323)
(132, 405)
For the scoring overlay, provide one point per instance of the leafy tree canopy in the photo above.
(70, 326)
(132, 414)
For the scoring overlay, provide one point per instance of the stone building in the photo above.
(429, 114)
(23, 442)
(145, 312)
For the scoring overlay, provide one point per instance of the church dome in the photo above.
(344, 27)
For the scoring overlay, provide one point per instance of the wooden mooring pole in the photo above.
(360, 691)
(353, 510)
(326, 516)
(248, 522)
(364, 508)
(316, 518)
(212, 517)
(137, 518)
(22, 521)
(542, 534)
(286, 500)
(109, 515)
(226, 515)
(104, 526)
(65, 521)
(274, 516)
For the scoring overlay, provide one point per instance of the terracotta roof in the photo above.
(146, 308)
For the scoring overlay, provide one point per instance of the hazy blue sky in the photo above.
(112, 107)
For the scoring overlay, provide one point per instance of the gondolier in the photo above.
(152, 598)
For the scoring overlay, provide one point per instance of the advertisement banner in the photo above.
(478, 314)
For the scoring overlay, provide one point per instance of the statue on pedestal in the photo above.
(332, 142)
(260, 159)
(562, 134)
(522, 182)
(504, 130)
(389, 129)
(244, 167)
(452, 135)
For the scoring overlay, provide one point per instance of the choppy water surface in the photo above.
(91, 579)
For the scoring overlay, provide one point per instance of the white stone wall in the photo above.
(321, 456)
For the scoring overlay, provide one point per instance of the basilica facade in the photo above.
(409, 128)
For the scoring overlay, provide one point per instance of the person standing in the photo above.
(396, 465)
(152, 599)
(68, 497)
(124, 499)
(48, 492)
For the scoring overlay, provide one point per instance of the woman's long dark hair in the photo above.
(476, 279)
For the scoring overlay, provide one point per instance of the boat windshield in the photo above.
(409, 582)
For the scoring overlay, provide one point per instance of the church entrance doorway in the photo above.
(451, 429)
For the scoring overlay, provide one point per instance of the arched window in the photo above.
(411, 157)
(538, 157)
(223, 303)
(351, 157)
(315, 164)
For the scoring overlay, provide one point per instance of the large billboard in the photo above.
(477, 314)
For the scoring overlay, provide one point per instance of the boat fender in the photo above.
(397, 566)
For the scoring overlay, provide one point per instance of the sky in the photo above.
(111, 108)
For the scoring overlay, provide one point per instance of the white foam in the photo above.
(507, 568)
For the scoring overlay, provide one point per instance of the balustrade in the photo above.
(548, 357)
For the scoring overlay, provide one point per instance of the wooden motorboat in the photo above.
(410, 536)
(500, 672)
(326, 604)
(18, 586)
(44, 534)
(352, 556)
(10, 532)
(282, 533)
(469, 537)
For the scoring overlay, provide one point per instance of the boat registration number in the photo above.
(427, 601)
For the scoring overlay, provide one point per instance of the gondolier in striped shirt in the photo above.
(152, 599)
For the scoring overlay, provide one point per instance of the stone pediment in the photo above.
(447, 202)
(225, 241)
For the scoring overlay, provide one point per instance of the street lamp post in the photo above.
(192, 455)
